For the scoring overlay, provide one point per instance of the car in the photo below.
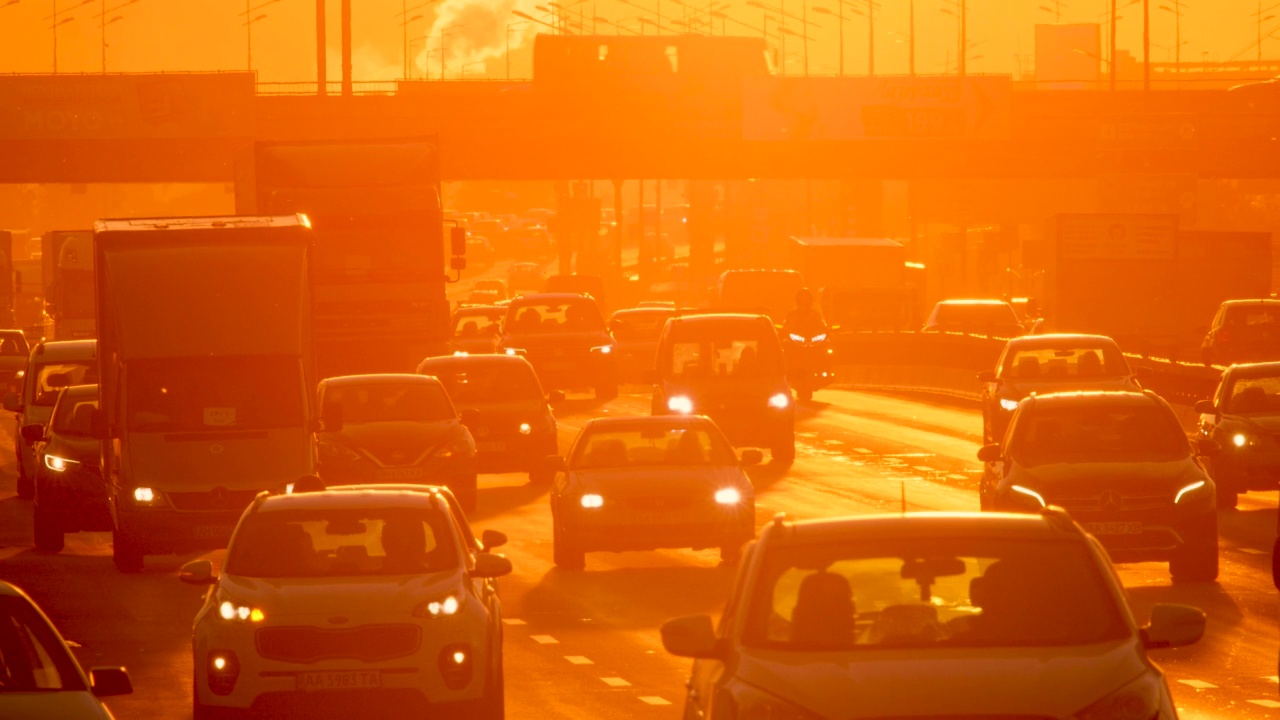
(481, 250)
(482, 297)
(636, 331)
(395, 428)
(476, 329)
(768, 292)
(1121, 464)
(39, 677)
(531, 241)
(927, 615)
(1243, 331)
(363, 601)
(730, 368)
(70, 494)
(524, 278)
(995, 318)
(14, 354)
(566, 340)
(504, 407)
(575, 283)
(1239, 431)
(644, 483)
(493, 284)
(50, 367)
(1040, 364)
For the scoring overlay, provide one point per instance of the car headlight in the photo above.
(1141, 698)
(439, 607)
(1008, 404)
(147, 497)
(602, 349)
(728, 496)
(1188, 490)
(592, 500)
(1240, 440)
(231, 610)
(337, 451)
(820, 337)
(1028, 493)
(680, 404)
(796, 338)
(59, 464)
(525, 428)
(780, 401)
(513, 351)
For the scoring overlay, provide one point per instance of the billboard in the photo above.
(1068, 56)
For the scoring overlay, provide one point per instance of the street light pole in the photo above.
(871, 37)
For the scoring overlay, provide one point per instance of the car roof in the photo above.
(922, 525)
(471, 360)
(67, 350)
(715, 318)
(643, 311)
(1262, 369)
(378, 379)
(479, 310)
(1058, 339)
(1250, 301)
(973, 301)
(751, 271)
(358, 499)
(11, 590)
(540, 298)
(13, 331)
(1094, 397)
(634, 421)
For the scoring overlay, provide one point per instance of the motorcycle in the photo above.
(809, 363)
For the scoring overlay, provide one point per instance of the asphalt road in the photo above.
(585, 645)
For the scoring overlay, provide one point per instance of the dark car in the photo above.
(1041, 364)
(730, 368)
(565, 338)
(395, 428)
(644, 483)
(636, 332)
(524, 278)
(592, 285)
(476, 329)
(1243, 331)
(503, 406)
(1121, 465)
(70, 495)
(1242, 426)
(976, 317)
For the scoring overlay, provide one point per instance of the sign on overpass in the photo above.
(868, 108)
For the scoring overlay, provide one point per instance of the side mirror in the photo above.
(987, 376)
(692, 636)
(489, 565)
(458, 242)
(98, 429)
(1204, 407)
(751, 456)
(555, 396)
(197, 572)
(990, 453)
(1173, 626)
(33, 433)
(493, 539)
(331, 417)
(110, 682)
(13, 402)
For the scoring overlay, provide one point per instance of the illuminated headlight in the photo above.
(233, 611)
(146, 496)
(525, 428)
(461, 353)
(780, 401)
(591, 500)
(513, 351)
(1029, 493)
(1239, 439)
(1188, 490)
(1138, 699)
(442, 607)
(59, 464)
(797, 338)
(602, 349)
(1008, 404)
(680, 404)
(728, 496)
(820, 337)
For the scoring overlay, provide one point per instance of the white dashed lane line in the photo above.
(654, 700)
(544, 639)
(1252, 551)
(1266, 703)
(512, 621)
(615, 682)
(578, 660)
(1199, 684)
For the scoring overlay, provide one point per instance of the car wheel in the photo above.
(48, 531)
(804, 395)
(541, 476)
(1228, 496)
(466, 492)
(1197, 561)
(731, 554)
(565, 553)
(125, 553)
(26, 486)
(493, 706)
(784, 450)
(607, 392)
(200, 711)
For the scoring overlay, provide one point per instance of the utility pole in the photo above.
(345, 9)
(871, 37)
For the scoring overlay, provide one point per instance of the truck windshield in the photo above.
(210, 394)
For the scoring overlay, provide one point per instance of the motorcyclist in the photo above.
(805, 319)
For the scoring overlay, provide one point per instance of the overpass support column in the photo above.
(644, 257)
(618, 226)
(322, 77)
(701, 233)
(346, 48)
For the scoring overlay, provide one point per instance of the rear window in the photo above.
(974, 315)
(740, 350)
(576, 315)
(1243, 316)
(1064, 363)
(1253, 395)
(487, 382)
(1100, 432)
(466, 325)
(13, 345)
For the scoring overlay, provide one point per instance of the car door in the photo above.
(709, 675)
(1209, 423)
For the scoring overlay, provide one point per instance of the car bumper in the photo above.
(1146, 535)
(163, 530)
(619, 531)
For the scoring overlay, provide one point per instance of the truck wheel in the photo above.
(125, 553)
(48, 531)
(607, 392)
(565, 553)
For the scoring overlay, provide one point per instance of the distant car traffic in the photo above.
(497, 286)
(566, 340)
(531, 242)
(592, 285)
(1121, 464)
(39, 677)
(1242, 426)
(636, 331)
(643, 483)
(51, 367)
(764, 292)
(524, 278)
(730, 368)
(481, 251)
(975, 317)
(395, 428)
(1243, 331)
(483, 297)
(352, 603)
(476, 329)
(70, 493)
(915, 616)
(504, 407)
(1040, 364)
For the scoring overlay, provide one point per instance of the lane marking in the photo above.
(1252, 551)
(654, 700)
(615, 682)
(1199, 684)
(1266, 703)
(957, 476)
(862, 451)
(513, 621)
(578, 660)
(1273, 678)
(544, 639)
(923, 469)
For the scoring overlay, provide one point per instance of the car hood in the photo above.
(194, 462)
(392, 595)
(1025, 682)
(1093, 478)
(630, 482)
(557, 340)
(70, 705)
(395, 443)
(1018, 389)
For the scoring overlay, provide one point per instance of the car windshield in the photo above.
(32, 660)
(338, 542)
(209, 394)
(638, 326)
(487, 383)
(1064, 363)
(1100, 432)
(974, 315)
(722, 353)
(390, 402)
(52, 377)
(576, 315)
(73, 415)
(649, 447)
(932, 594)
(13, 345)
(1253, 396)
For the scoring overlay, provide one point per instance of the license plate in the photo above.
(213, 531)
(491, 446)
(339, 680)
(1113, 528)
(400, 473)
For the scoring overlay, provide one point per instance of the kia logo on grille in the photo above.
(220, 497)
(1111, 501)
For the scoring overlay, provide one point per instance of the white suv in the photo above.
(924, 615)
(355, 601)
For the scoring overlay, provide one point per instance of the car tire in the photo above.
(607, 392)
(125, 553)
(731, 554)
(493, 706)
(804, 395)
(784, 449)
(48, 533)
(1228, 496)
(26, 485)
(467, 493)
(565, 553)
(200, 711)
(1197, 561)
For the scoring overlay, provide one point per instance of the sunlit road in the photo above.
(585, 645)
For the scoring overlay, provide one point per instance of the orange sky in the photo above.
(177, 35)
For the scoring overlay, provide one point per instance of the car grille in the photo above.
(1112, 502)
(370, 643)
(215, 500)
